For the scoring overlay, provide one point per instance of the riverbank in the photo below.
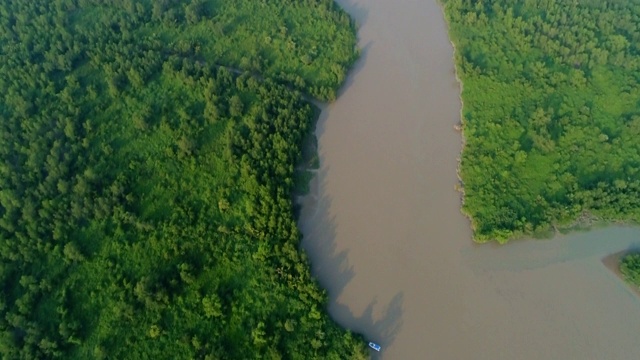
(612, 262)
(383, 229)
(459, 187)
(529, 165)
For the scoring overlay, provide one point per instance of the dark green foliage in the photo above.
(551, 113)
(630, 269)
(145, 189)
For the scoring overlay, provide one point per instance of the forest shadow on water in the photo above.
(382, 330)
(329, 266)
(355, 69)
(357, 12)
(378, 322)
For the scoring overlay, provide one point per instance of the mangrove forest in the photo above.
(147, 156)
(551, 116)
(630, 269)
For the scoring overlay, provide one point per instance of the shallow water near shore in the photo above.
(383, 228)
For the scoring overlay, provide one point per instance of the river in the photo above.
(383, 228)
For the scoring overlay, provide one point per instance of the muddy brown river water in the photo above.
(383, 228)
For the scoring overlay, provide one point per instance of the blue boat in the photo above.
(374, 346)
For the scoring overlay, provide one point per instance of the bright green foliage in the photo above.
(630, 268)
(551, 113)
(310, 46)
(145, 207)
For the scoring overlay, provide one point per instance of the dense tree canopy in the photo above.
(145, 207)
(630, 268)
(551, 113)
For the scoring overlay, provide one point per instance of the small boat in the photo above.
(374, 346)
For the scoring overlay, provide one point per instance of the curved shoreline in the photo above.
(459, 187)
(386, 237)
(612, 262)
(585, 220)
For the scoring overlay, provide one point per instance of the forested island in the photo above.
(630, 269)
(551, 117)
(147, 156)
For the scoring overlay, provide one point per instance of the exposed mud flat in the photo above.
(383, 228)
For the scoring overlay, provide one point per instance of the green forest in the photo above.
(551, 113)
(147, 155)
(630, 269)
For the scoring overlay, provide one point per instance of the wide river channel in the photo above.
(383, 228)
